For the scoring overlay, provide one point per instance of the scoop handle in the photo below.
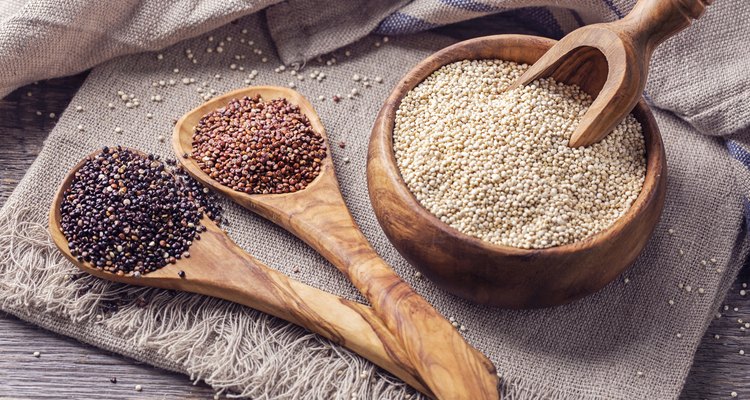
(654, 21)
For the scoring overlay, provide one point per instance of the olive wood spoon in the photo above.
(219, 268)
(448, 365)
(610, 61)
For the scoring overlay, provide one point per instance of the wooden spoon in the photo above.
(218, 267)
(448, 365)
(610, 61)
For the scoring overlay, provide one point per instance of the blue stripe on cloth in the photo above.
(541, 20)
(614, 9)
(399, 23)
(577, 17)
(738, 152)
(648, 98)
(471, 5)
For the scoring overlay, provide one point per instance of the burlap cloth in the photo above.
(621, 342)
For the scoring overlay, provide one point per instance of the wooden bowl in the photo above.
(497, 275)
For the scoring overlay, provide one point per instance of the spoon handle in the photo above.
(451, 367)
(221, 269)
(654, 21)
(448, 365)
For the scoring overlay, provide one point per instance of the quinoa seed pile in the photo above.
(259, 147)
(129, 214)
(496, 165)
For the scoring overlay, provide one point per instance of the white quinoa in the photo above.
(496, 165)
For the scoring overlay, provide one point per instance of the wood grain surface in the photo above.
(68, 369)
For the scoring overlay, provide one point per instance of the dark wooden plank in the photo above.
(23, 131)
(70, 369)
(719, 369)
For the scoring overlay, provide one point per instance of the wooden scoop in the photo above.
(448, 365)
(610, 61)
(218, 267)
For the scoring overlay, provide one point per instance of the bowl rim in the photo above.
(654, 147)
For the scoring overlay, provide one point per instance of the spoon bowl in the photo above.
(219, 268)
(500, 275)
(448, 366)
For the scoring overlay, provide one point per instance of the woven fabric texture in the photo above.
(611, 345)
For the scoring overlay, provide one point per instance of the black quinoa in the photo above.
(129, 214)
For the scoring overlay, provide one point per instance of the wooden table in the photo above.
(69, 369)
